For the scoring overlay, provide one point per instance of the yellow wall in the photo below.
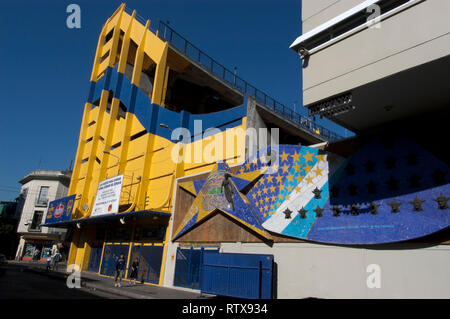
(146, 162)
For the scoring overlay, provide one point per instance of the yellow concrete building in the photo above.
(153, 100)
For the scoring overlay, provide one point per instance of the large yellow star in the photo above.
(321, 158)
(265, 190)
(259, 193)
(281, 187)
(272, 189)
(290, 187)
(297, 167)
(289, 177)
(309, 179)
(269, 178)
(247, 166)
(295, 156)
(285, 168)
(254, 195)
(279, 178)
(318, 171)
(284, 156)
(308, 168)
(308, 156)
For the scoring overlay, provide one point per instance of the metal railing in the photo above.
(185, 47)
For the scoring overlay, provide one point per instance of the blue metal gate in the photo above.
(149, 258)
(95, 258)
(237, 275)
(110, 255)
(188, 265)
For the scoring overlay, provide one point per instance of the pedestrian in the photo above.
(134, 271)
(56, 259)
(120, 270)
(49, 260)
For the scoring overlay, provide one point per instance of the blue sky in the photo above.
(44, 78)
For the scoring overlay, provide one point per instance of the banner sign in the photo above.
(108, 196)
(60, 210)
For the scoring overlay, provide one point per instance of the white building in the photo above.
(38, 189)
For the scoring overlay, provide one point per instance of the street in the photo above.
(19, 283)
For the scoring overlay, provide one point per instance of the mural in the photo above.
(390, 190)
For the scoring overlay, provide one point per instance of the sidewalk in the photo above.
(95, 282)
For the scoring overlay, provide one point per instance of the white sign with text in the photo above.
(108, 196)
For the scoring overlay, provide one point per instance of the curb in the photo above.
(114, 291)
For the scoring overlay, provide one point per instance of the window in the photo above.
(36, 222)
(43, 196)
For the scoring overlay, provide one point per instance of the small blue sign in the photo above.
(60, 210)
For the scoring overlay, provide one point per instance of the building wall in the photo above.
(417, 35)
(323, 271)
(56, 190)
(316, 12)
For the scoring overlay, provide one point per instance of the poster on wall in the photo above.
(60, 210)
(108, 196)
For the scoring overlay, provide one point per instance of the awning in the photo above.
(108, 218)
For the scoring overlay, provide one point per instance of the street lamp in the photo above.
(118, 160)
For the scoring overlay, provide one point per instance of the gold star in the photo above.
(290, 187)
(271, 206)
(287, 197)
(308, 168)
(285, 168)
(266, 208)
(318, 171)
(281, 187)
(254, 195)
(279, 178)
(295, 156)
(262, 181)
(259, 193)
(261, 209)
(309, 179)
(255, 160)
(256, 203)
(263, 159)
(308, 156)
(274, 198)
(266, 199)
(284, 156)
(241, 170)
(321, 158)
(247, 166)
(280, 197)
(265, 190)
(269, 178)
(297, 167)
(289, 178)
(272, 189)
(261, 201)
(298, 189)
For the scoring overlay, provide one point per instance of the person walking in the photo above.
(120, 270)
(134, 271)
(56, 259)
